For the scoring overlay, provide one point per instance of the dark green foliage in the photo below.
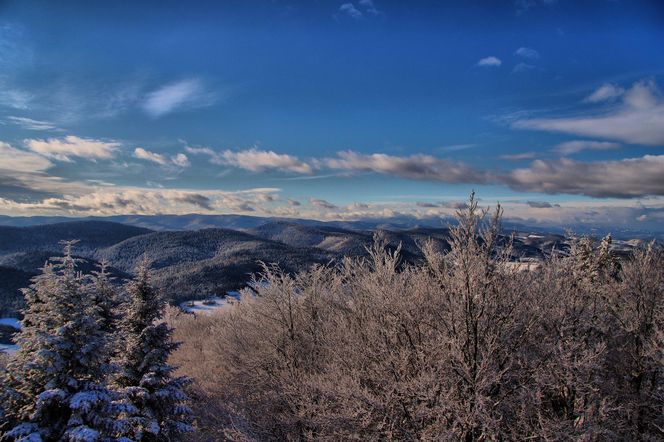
(54, 386)
(145, 377)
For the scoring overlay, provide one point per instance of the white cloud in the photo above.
(215, 158)
(419, 167)
(522, 67)
(143, 154)
(30, 124)
(490, 61)
(370, 7)
(321, 204)
(529, 53)
(627, 178)
(106, 201)
(605, 92)
(16, 160)
(15, 98)
(519, 156)
(179, 160)
(71, 146)
(570, 147)
(183, 94)
(638, 120)
(255, 160)
(350, 10)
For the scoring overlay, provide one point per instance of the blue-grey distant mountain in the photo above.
(197, 261)
(245, 222)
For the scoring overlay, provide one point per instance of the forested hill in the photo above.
(197, 263)
(91, 235)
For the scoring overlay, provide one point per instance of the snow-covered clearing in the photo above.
(210, 305)
(8, 348)
(11, 322)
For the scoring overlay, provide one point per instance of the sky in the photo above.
(334, 109)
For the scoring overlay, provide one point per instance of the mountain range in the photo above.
(195, 256)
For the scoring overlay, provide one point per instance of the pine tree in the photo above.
(145, 377)
(106, 299)
(54, 386)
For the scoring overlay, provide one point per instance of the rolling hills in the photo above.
(195, 263)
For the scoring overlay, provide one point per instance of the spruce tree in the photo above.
(54, 386)
(145, 378)
(106, 300)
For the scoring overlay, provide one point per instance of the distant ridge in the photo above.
(192, 260)
(90, 234)
(246, 222)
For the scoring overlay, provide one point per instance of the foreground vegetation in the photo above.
(92, 362)
(460, 347)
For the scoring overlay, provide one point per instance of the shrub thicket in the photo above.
(461, 347)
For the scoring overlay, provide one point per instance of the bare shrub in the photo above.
(460, 347)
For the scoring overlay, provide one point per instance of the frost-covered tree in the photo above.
(145, 378)
(105, 298)
(584, 263)
(54, 386)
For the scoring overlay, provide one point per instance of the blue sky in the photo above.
(334, 109)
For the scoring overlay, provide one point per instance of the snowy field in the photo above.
(11, 322)
(8, 348)
(210, 305)
(14, 323)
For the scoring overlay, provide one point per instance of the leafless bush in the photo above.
(460, 347)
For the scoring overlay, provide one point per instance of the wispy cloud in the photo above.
(143, 154)
(605, 92)
(184, 94)
(528, 53)
(350, 10)
(571, 147)
(103, 200)
(456, 147)
(419, 167)
(30, 124)
(255, 160)
(63, 149)
(426, 204)
(519, 156)
(522, 67)
(12, 159)
(15, 98)
(627, 178)
(490, 61)
(322, 204)
(180, 160)
(541, 204)
(639, 119)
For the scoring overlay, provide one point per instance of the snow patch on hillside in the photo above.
(210, 305)
(11, 322)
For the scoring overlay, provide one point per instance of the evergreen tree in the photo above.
(54, 386)
(106, 300)
(145, 377)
